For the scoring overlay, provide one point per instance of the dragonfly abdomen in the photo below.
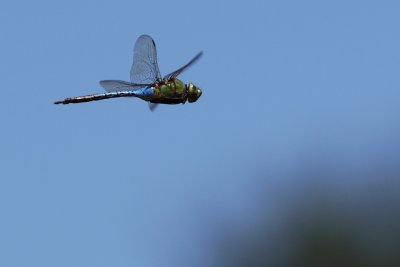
(96, 97)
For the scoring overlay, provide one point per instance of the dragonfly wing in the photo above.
(152, 106)
(145, 67)
(175, 74)
(117, 86)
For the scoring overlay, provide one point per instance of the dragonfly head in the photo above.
(193, 93)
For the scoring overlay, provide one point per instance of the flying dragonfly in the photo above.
(146, 81)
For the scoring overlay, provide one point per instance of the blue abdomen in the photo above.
(148, 91)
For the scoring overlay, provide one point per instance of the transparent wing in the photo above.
(175, 74)
(117, 86)
(152, 106)
(145, 67)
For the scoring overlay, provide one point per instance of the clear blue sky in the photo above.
(112, 184)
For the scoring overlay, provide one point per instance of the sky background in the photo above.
(286, 84)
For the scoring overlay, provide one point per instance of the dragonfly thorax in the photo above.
(175, 92)
(175, 88)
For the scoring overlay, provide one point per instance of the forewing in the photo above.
(145, 67)
(175, 74)
(118, 86)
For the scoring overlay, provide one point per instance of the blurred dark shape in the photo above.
(322, 218)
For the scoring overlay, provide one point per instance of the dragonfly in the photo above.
(146, 81)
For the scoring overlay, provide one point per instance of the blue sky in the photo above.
(112, 184)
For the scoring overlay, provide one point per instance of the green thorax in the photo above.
(171, 89)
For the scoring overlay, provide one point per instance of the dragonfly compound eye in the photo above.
(193, 93)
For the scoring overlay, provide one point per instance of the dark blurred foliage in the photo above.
(321, 217)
